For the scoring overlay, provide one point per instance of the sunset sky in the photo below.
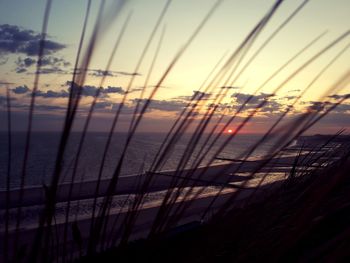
(231, 22)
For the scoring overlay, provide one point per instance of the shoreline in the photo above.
(35, 195)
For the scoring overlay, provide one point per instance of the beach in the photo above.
(225, 179)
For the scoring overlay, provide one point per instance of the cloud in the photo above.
(103, 105)
(254, 100)
(317, 105)
(338, 117)
(270, 105)
(339, 97)
(52, 70)
(107, 73)
(21, 70)
(87, 91)
(137, 89)
(229, 87)
(20, 89)
(16, 40)
(109, 89)
(222, 106)
(294, 90)
(54, 61)
(197, 95)
(128, 73)
(52, 94)
(90, 91)
(101, 73)
(163, 105)
(322, 106)
(291, 97)
(49, 65)
(24, 63)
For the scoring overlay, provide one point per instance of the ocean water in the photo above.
(139, 157)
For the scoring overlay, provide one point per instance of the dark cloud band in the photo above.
(14, 39)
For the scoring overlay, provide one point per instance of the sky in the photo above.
(232, 20)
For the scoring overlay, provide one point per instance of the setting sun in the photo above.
(229, 131)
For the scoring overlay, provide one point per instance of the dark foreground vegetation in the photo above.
(306, 220)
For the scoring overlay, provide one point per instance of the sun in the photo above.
(229, 131)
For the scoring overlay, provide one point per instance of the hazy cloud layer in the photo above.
(339, 117)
